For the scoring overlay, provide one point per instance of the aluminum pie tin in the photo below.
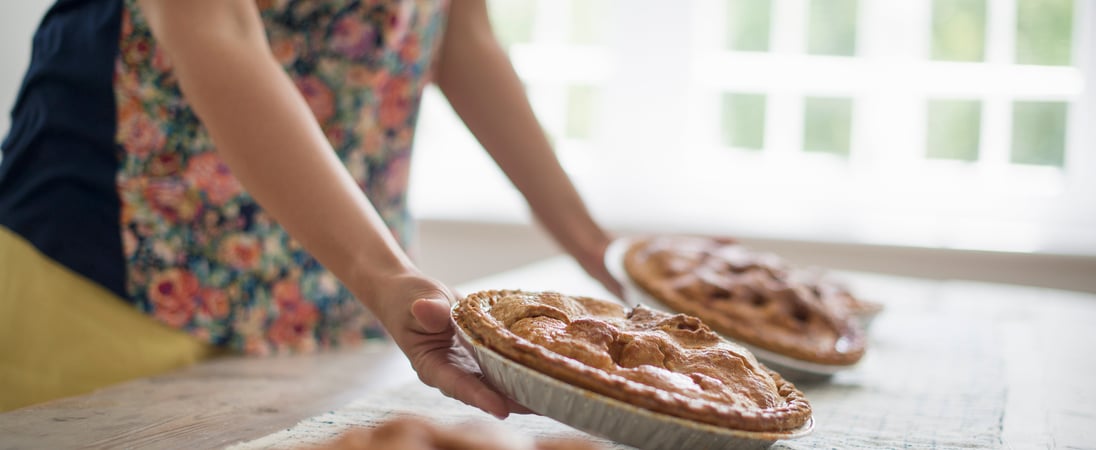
(607, 417)
(786, 366)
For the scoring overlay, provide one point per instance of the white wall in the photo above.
(17, 24)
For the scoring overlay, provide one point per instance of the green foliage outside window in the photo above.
(512, 20)
(582, 109)
(827, 125)
(831, 27)
(1044, 31)
(748, 25)
(743, 121)
(953, 129)
(588, 21)
(1039, 133)
(959, 30)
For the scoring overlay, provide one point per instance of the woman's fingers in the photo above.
(442, 368)
(426, 336)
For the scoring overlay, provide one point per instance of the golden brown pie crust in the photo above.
(409, 432)
(751, 297)
(672, 364)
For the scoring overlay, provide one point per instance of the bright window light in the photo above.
(935, 123)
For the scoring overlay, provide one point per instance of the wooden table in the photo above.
(1047, 339)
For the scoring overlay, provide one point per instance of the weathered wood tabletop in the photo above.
(1045, 339)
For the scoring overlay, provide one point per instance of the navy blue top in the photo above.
(60, 158)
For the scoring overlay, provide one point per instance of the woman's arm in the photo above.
(267, 135)
(475, 75)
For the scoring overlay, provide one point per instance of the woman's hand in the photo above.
(592, 260)
(415, 311)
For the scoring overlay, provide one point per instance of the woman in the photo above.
(236, 171)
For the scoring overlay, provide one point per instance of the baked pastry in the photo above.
(671, 364)
(835, 294)
(751, 297)
(421, 434)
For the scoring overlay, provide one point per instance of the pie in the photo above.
(671, 364)
(835, 294)
(751, 297)
(418, 433)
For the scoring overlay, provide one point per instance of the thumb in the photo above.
(432, 314)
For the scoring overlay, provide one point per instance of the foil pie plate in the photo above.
(786, 366)
(607, 417)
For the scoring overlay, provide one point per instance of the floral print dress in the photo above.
(200, 255)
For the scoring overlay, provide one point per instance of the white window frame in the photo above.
(657, 162)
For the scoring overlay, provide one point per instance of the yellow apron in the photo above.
(62, 335)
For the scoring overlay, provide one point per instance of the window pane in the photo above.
(1043, 32)
(954, 129)
(512, 20)
(959, 30)
(748, 23)
(827, 125)
(832, 27)
(582, 107)
(1039, 133)
(588, 19)
(743, 121)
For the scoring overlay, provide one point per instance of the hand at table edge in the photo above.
(415, 310)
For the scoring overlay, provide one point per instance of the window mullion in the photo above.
(707, 46)
(789, 30)
(889, 116)
(997, 107)
(1081, 138)
(784, 114)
